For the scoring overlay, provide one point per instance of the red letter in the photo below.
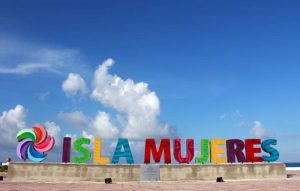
(250, 150)
(189, 151)
(164, 146)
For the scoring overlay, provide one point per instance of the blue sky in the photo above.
(220, 69)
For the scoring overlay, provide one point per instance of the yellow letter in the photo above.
(216, 151)
(97, 153)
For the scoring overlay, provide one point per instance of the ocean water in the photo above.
(292, 164)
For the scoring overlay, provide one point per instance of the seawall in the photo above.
(70, 172)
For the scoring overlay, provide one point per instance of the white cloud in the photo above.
(54, 130)
(237, 117)
(76, 119)
(139, 105)
(11, 122)
(74, 85)
(17, 56)
(100, 125)
(43, 96)
(87, 135)
(26, 68)
(259, 131)
(73, 137)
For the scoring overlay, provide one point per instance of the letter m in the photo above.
(164, 146)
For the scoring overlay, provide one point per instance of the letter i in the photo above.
(66, 150)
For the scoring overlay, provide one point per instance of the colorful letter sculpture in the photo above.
(189, 150)
(127, 152)
(163, 147)
(251, 150)
(235, 149)
(86, 153)
(274, 154)
(34, 143)
(216, 151)
(204, 152)
(97, 153)
(66, 154)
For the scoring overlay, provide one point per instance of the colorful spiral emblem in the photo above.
(34, 143)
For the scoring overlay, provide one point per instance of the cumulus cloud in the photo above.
(76, 119)
(14, 120)
(19, 57)
(100, 125)
(74, 85)
(259, 131)
(139, 105)
(11, 122)
(103, 127)
(137, 109)
(54, 130)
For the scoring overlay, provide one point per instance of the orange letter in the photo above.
(97, 153)
(216, 151)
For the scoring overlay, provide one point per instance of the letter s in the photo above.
(274, 154)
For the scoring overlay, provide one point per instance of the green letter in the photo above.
(204, 151)
(85, 152)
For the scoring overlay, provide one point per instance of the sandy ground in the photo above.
(291, 183)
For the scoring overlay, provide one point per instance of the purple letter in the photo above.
(235, 148)
(66, 149)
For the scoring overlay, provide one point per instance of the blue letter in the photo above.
(126, 153)
(274, 154)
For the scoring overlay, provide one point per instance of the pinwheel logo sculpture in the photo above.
(33, 144)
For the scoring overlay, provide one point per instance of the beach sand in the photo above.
(290, 183)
